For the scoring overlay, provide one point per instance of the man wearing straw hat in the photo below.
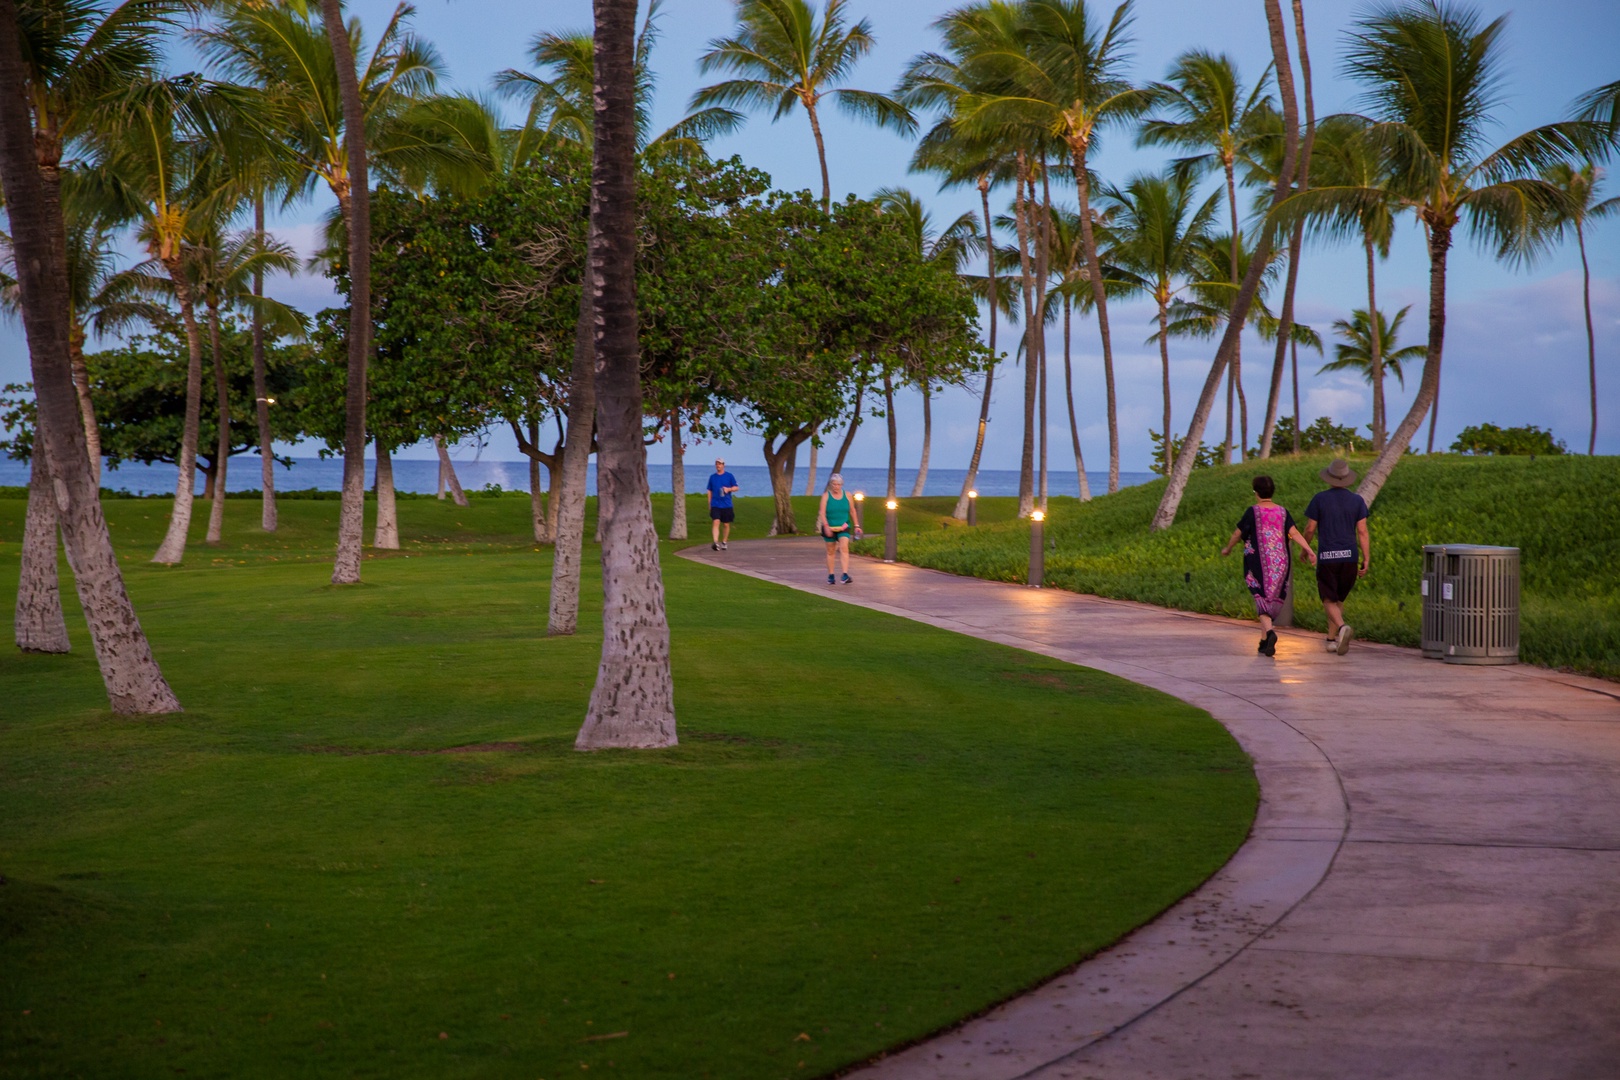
(1340, 515)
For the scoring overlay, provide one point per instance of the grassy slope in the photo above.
(1562, 512)
(871, 827)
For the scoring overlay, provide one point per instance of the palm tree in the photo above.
(1579, 186)
(1368, 353)
(1157, 232)
(1431, 71)
(1067, 82)
(785, 57)
(66, 65)
(1210, 114)
(951, 245)
(633, 702)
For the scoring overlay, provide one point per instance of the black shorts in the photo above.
(722, 513)
(1334, 580)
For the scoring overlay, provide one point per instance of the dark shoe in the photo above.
(848, 580)
(831, 580)
(1261, 649)
(1268, 644)
(714, 547)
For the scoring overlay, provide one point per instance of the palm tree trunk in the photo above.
(894, 438)
(1043, 275)
(261, 398)
(87, 408)
(173, 548)
(447, 472)
(1591, 347)
(356, 210)
(39, 624)
(1237, 355)
(849, 436)
(133, 680)
(1231, 385)
(1297, 239)
(1429, 387)
(1026, 464)
(633, 702)
(1068, 393)
(1293, 352)
(821, 155)
(1088, 240)
(928, 435)
(972, 478)
(810, 473)
(1434, 415)
(539, 518)
(563, 617)
(222, 446)
(1170, 502)
(441, 480)
(385, 533)
(677, 477)
(1164, 363)
(1380, 420)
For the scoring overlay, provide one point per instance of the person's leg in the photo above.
(1265, 623)
(714, 528)
(725, 532)
(843, 555)
(1335, 616)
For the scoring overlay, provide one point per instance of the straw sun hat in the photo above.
(1339, 474)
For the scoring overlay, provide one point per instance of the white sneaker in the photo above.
(1346, 635)
(1332, 645)
(724, 546)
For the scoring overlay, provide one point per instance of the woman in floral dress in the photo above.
(1265, 530)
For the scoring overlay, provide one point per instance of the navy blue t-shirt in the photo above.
(718, 499)
(1336, 512)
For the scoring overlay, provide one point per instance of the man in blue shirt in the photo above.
(721, 485)
(1341, 517)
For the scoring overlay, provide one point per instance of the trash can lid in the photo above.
(1471, 549)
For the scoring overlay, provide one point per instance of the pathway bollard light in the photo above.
(1037, 549)
(973, 508)
(860, 516)
(891, 530)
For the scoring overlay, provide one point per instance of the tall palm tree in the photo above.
(1206, 111)
(1157, 231)
(633, 702)
(1432, 70)
(949, 246)
(783, 56)
(1068, 82)
(1579, 185)
(1071, 291)
(1346, 155)
(1368, 353)
(28, 182)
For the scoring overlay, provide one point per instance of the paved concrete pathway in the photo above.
(1431, 888)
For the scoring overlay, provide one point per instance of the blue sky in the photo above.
(1515, 347)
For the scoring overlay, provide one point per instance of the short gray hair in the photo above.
(835, 478)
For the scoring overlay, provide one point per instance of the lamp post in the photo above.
(973, 508)
(1037, 549)
(891, 529)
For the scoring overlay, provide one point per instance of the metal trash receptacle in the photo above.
(1433, 633)
(1479, 604)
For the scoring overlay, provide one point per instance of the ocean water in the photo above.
(326, 474)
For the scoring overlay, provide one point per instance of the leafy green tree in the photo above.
(1579, 186)
(1490, 439)
(1432, 72)
(784, 57)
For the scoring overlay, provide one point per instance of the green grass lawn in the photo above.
(1562, 512)
(368, 849)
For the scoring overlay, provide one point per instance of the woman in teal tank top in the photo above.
(837, 521)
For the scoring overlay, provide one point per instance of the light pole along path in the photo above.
(1431, 887)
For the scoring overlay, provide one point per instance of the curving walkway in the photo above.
(1431, 888)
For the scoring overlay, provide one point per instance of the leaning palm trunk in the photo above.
(1026, 463)
(1068, 393)
(928, 435)
(87, 408)
(1429, 387)
(173, 548)
(385, 534)
(1165, 515)
(972, 477)
(1591, 346)
(677, 477)
(356, 210)
(1296, 241)
(132, 678)
(633, 702)
(39, 625)
(563, 617)
(222, 446)
(261, 392)
(447, 472)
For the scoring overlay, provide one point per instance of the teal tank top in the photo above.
(838, 510)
